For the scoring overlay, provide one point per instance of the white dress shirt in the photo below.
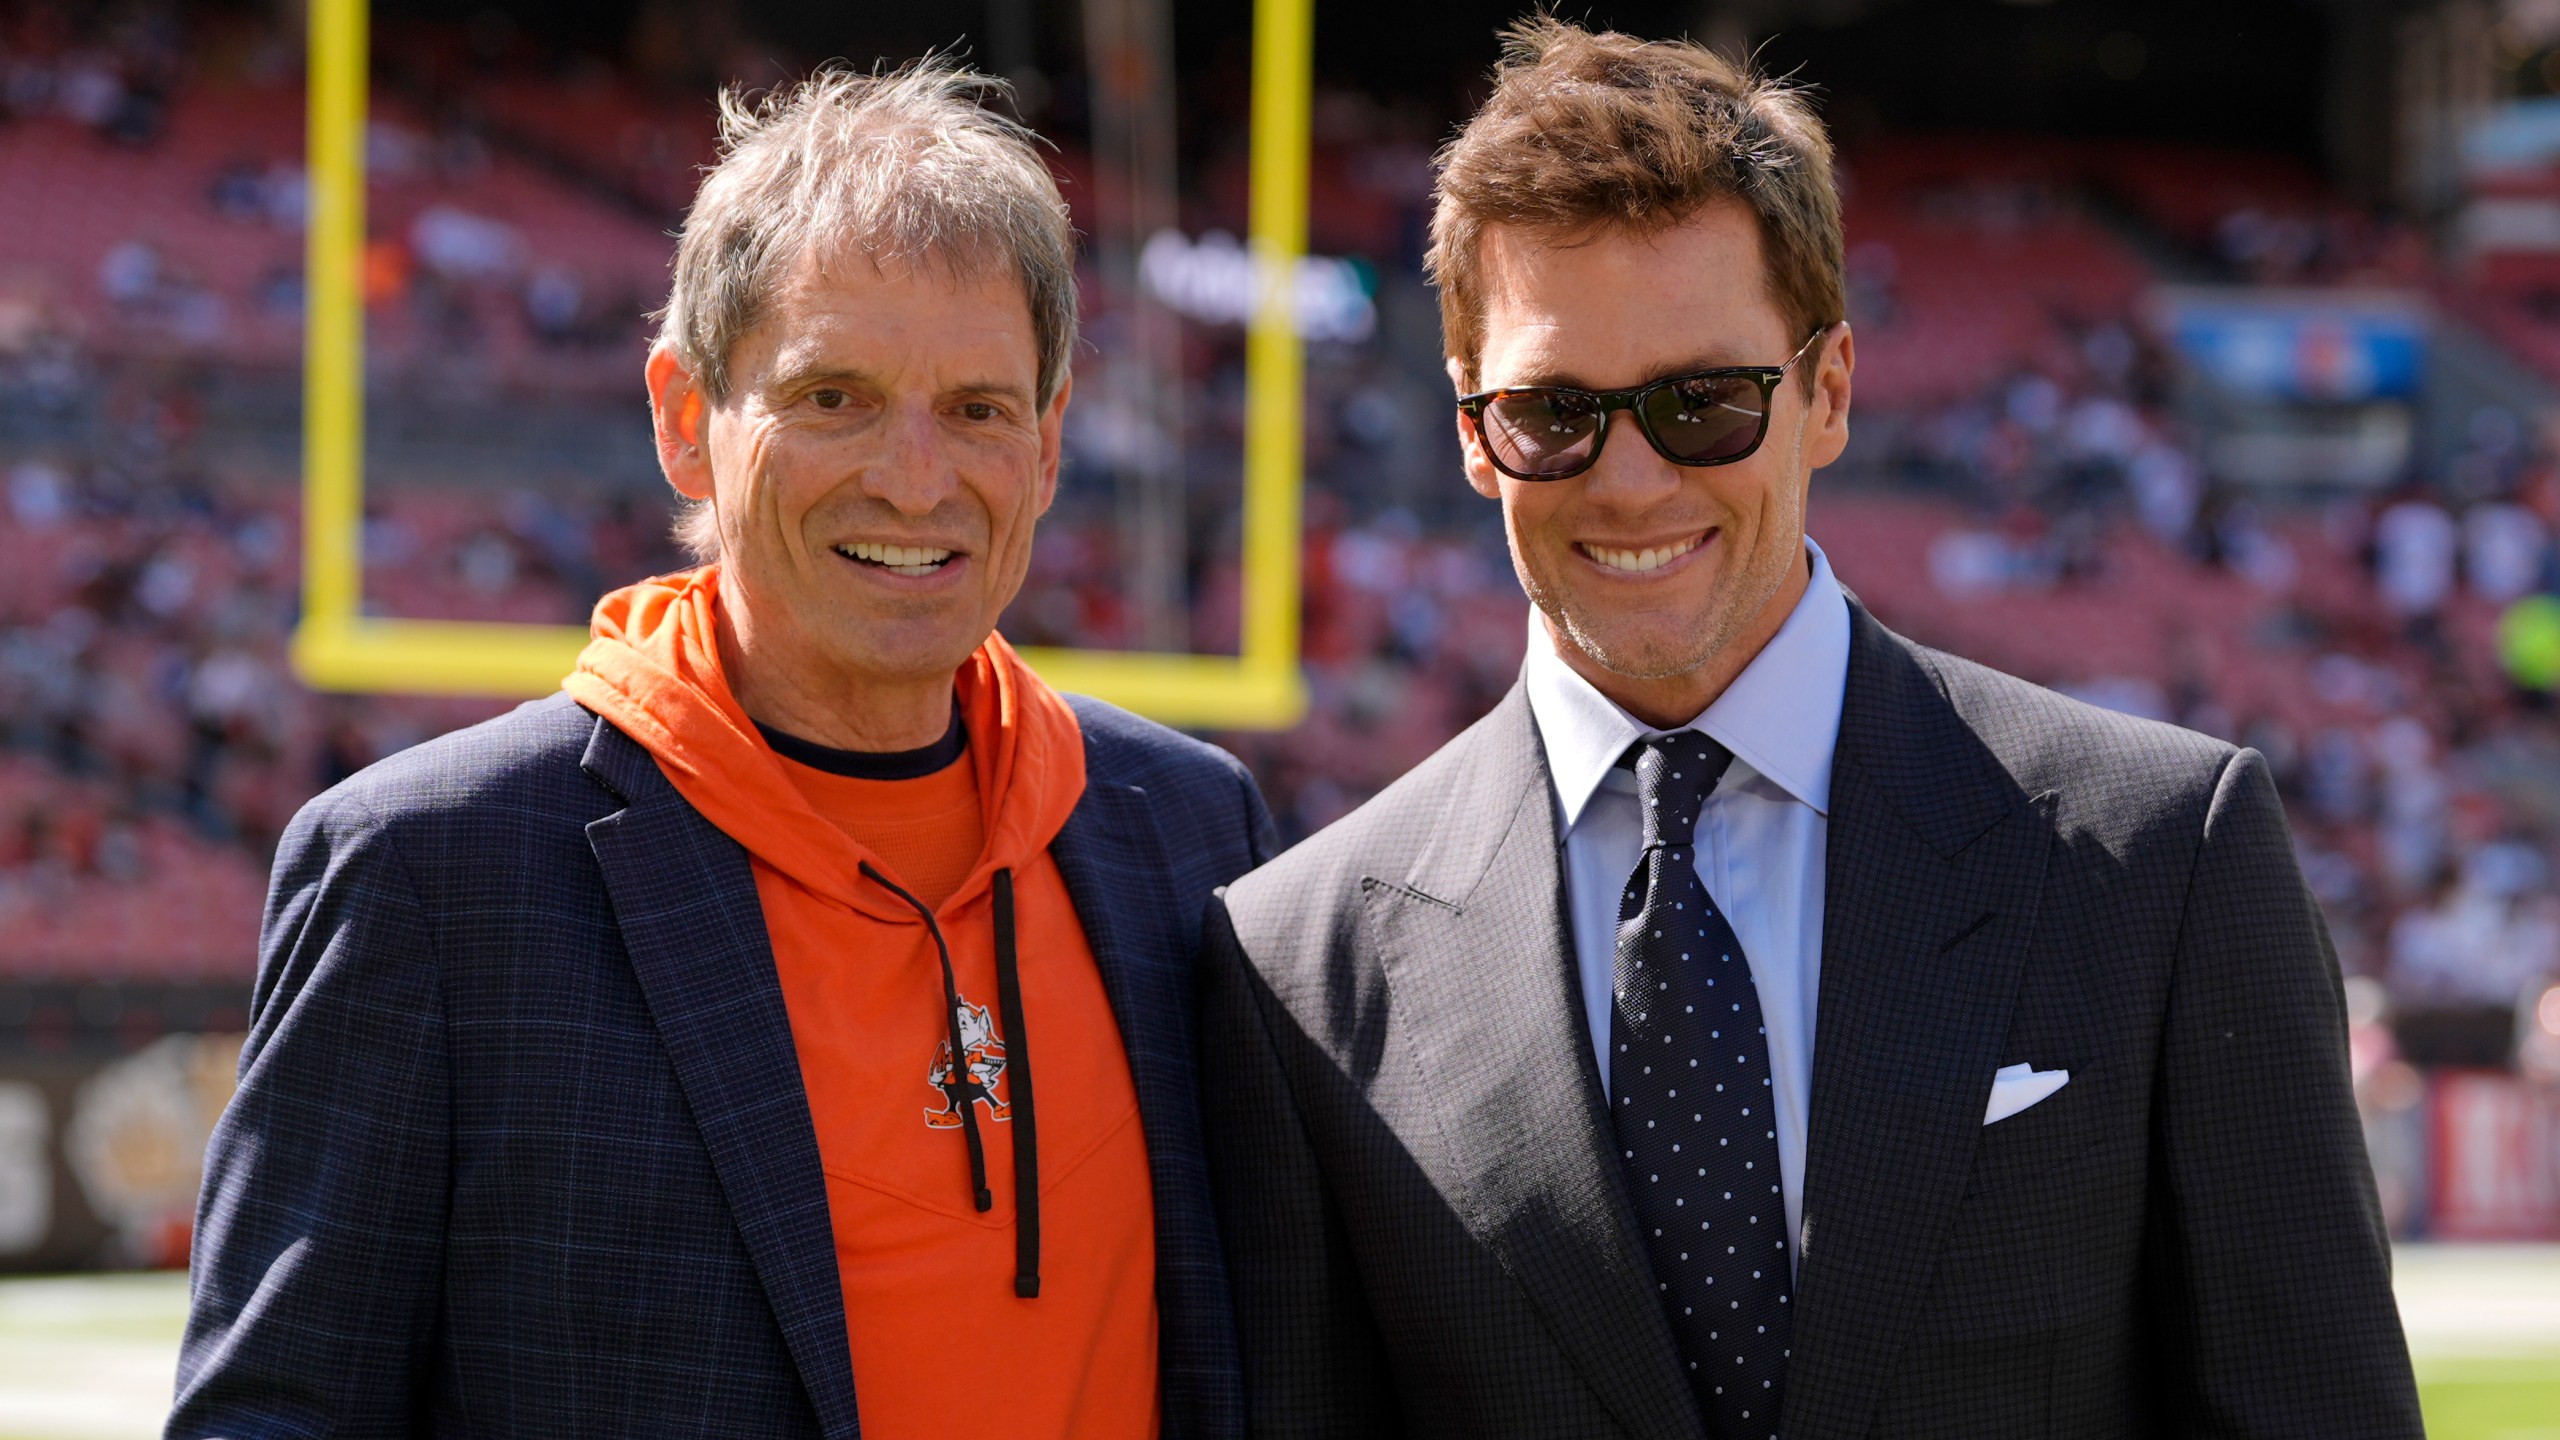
(1760, 836)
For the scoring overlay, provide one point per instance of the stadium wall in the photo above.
(105, 1110)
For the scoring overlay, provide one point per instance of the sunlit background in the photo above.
(2208, 365)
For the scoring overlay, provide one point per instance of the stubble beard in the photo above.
(1638, 658)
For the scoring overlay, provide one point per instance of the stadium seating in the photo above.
(196, 238)
(1971, 251)
(152, 744)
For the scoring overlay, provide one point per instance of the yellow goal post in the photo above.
(338, 647)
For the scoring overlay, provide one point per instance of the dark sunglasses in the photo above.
(1554, 432)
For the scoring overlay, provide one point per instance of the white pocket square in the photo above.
(2015, 1087)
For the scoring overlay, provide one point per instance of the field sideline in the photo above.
(90, 1357)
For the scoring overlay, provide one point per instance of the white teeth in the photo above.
(1640, 560)
(910, 560)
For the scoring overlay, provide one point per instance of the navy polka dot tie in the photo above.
(1689, 1096)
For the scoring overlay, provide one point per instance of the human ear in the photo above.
(677, 410)
(1830, 401)
(1053, 429)
(1481, 476)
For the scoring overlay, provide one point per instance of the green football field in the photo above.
(2492, 1399)
(89, 1358)
(2484, 1328)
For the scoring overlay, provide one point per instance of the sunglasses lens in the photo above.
(1707, 420)
(1541, 433)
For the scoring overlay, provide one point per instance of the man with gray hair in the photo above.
(657, 1059)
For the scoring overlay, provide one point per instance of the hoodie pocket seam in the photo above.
(991, 1219)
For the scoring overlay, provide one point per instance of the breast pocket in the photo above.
(2046, 1135)
(2050, 1223)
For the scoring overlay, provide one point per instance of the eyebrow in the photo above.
(1706, 360)
(792, 375)
(995, 389)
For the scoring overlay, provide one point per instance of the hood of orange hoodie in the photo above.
(652, 667)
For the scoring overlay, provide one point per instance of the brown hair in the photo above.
(1588, 131)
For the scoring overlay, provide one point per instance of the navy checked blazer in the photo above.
(520, 1145)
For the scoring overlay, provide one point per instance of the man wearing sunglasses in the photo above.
(1759, 1024)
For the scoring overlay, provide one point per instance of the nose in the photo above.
(1630, 474)
(912, 469)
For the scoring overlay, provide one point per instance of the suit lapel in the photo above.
(1936, 862)
(685, 900)
(1474, 943)
(1137, 945)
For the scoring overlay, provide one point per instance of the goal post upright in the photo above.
(337, 647)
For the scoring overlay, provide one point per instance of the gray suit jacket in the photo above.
(1426, 1228)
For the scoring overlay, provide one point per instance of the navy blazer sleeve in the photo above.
(2261, 1195)
(1265, 841)
(320, 1231)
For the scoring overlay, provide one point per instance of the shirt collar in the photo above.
(1780, 716)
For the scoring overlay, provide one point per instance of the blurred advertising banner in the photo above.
(104, 1114)
(2493, 1157)
(105, 1108)
(2299, 387)
(1216, 281)
(2319, 347)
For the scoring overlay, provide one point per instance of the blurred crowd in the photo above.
(2024, 491)
(2393, 654)
(153, 740)
(170, 159)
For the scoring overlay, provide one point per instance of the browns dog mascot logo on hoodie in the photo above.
(985, 1072)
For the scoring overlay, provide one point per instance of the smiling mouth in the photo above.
(1638, 561)
(912, 561)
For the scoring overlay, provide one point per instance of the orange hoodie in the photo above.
(920, 1245)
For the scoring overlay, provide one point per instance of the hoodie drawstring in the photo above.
(1017, 1076)
(959, 1048)
(1017, 1067)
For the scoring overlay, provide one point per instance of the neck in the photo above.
(1670, 701)
(831, 708)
